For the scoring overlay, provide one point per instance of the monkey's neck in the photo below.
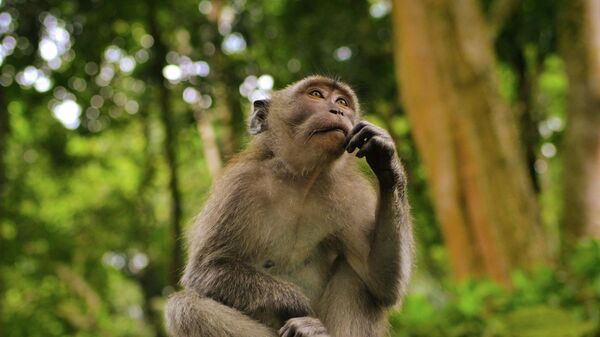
(301, 173)
(301, 169)
(298, 171)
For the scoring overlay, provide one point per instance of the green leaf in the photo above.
(546, 321)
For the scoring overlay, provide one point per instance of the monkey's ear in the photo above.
(258, 120)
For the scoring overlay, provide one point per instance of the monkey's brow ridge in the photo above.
(334, 84)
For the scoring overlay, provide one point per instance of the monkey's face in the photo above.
(323, 115)
(308, 122)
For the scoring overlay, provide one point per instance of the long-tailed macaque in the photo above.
(294, 240)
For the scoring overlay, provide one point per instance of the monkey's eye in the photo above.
(342, 101)
(316, 93)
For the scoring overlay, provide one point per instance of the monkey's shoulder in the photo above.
(230, 201)
(239, 180)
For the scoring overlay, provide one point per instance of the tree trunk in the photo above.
(527, 114)
(580, 47)
(227, 108)
(151, 279)
(223, 112)
(467, 138)
(209, 141)
(170, 145)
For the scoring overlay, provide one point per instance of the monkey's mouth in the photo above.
(331, 129)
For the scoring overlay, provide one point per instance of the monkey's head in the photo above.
(308, 122)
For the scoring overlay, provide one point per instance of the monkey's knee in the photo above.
(187, 314)
(181, 316)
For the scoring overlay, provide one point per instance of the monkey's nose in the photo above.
(336, 112)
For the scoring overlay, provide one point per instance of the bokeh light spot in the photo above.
(265, 82)
(343, 53)
(234, 43)
(172, 72)
(67, 112)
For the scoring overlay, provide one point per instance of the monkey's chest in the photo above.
(295, 246)
(292, 234)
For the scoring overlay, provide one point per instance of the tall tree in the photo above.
(580, 47)
(467, 137)
(170, 144)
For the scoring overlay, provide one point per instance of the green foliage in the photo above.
(546, 302)
(85, 236)
(85, 217)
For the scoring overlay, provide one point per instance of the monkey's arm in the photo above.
(391, 248)
(386, 268)
(238, 285)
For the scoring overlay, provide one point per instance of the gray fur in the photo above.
(294, 240)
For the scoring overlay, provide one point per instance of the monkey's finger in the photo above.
(360, 138)
(355, 130)
(359, 126)
(289, 328)
(368, 147)
(299, 333)
(293, 331)
(363, 124)
(285, 331)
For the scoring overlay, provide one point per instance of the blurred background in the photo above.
(116, 116)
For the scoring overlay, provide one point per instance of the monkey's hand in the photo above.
(378, 147)
(303, 327)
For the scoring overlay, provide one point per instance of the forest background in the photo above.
(116, 117)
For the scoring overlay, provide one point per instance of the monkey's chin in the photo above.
(331, 142)
(332, 133)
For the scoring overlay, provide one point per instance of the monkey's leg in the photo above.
(347, 309)
(189, 315)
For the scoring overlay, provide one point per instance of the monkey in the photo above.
(294, 240)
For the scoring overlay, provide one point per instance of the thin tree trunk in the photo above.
(467, 138)
(86, 320)
(151, 288)
(209, 142)
(527, 114)
(223, 112)
(238, 121)
(580, 47)
(170, 145)
(149, 279)
(228, 112)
